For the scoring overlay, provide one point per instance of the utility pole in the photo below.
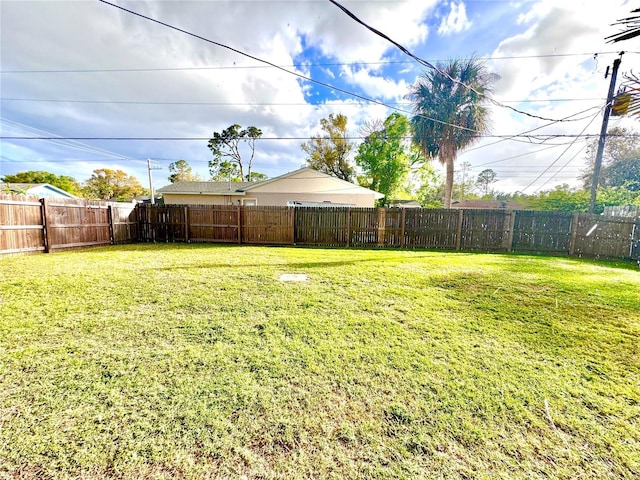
(153, 193)
(603, 132)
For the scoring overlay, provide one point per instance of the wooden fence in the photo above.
(31, 225)
(559, 233)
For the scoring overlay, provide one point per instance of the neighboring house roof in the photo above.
(240, 188)
(207, 188)
(42, 190)
(487, 204)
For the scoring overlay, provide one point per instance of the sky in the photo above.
(101, 87)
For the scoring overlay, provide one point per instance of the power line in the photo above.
(61, 141)
(539, 137)
(250, 104)
(493, 162)
(531, 139)
(299, 75)
(298, 65)
(326, 85)
(531, 130)
(429, 65)
(560, 156)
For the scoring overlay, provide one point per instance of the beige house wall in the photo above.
(272, 198)
(268, 199)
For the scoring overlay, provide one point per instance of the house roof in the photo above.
(208, 188)
(345, 187)
(39, 189)
(239, 188)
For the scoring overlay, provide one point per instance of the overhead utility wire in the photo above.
(524, 134)
(61, 141)
(433, 67)
(251, 104)
(299, 75)
(558, 158)
(493, 162)
(531, 137)
(328, 64)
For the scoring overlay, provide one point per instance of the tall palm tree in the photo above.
(450, 112)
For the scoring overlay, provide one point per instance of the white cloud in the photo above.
(456, 21)
(374, 86)
(337, 35)
(210, 87)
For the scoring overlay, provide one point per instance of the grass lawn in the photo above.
(196, 361)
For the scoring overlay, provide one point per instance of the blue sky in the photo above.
(86, 69)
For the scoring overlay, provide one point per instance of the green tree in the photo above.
(485, 179)
(258, 177)
(181, 171)
(612, 196)
(449, 111)
(106, 184)
(225, 146)
(620, 161)
(384, 156)
(225, 171)
(329, 151)
(68, 184)
(430, 186)
(563, 198)
(463, 184)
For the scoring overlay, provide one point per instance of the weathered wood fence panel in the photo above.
(485, 230)
(124, 227)
(542, 232)
(76, 223)
(28, 224)
(470, 230)
(21, 228)
(31, 225)
(603, 236)
(391, 228)
(323, 227)
(267, 225)
(213, 223)
(157, 223)
(367, 227)
(635, 240)
(432, 228)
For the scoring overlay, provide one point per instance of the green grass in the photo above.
(196, 361)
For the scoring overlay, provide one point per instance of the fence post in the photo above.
(45, 224)
(459, 230)
(574, 233)
(634, 247)
(402, 220)
(112, 239)
(239, 224)
(292, 222)
(348, 225)
(186, 224)
(382, 220)
(511, 232)
(139, 228)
